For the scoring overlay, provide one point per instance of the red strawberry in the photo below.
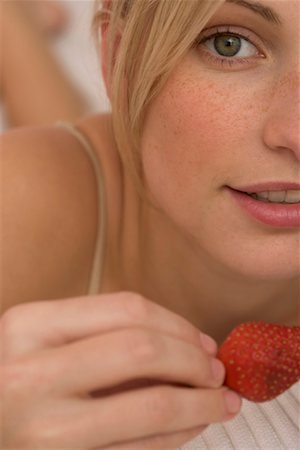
(262, 360)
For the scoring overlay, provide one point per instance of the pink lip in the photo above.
(268, 186)
(271, 214)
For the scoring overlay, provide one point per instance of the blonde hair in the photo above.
(152, 37)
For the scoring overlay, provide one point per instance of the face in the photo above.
(229, 117)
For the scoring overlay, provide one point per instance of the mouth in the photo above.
(276, 208)
(283, 197)
(272, 192)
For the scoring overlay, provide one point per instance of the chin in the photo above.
(269, 273)
(262, 265)
(252, 256)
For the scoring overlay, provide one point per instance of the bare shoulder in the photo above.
(49, 203)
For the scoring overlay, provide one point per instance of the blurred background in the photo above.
(62, 31)
(76, 50)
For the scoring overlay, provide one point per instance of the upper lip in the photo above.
(267, 186)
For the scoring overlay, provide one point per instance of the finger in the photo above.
(53, 323)
(160, 442)
(104, 361)
(145, 413)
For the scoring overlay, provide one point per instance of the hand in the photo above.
(111, 371)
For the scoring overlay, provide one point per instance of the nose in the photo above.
(282, 128)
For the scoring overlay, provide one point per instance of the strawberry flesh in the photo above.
(262, 360)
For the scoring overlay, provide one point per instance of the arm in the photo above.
(34, 87)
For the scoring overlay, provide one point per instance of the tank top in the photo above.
(97, 265)
(272, 425)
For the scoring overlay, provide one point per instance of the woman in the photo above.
(134, 224)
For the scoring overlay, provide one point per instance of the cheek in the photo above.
(193, 133)
(199, 136)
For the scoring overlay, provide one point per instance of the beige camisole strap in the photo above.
(98, 261)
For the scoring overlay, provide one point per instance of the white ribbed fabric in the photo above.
(272, 425)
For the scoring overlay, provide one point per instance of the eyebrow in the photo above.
(265, 11)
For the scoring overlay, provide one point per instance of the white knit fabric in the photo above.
(270, 425)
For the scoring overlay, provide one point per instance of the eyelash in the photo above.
(228, 61)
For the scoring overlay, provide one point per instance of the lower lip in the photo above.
(272, 214)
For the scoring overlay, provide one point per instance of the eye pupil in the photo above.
(227, 45)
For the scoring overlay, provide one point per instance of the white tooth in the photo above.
(277, 196)
(292, 196)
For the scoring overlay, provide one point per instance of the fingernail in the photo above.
(208, 343)
(232, 401)
(218, 370)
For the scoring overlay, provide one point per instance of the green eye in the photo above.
(228, 47)
(227, 44)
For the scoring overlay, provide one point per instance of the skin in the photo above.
(196, 140)
(185, 260)
(229, 268)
